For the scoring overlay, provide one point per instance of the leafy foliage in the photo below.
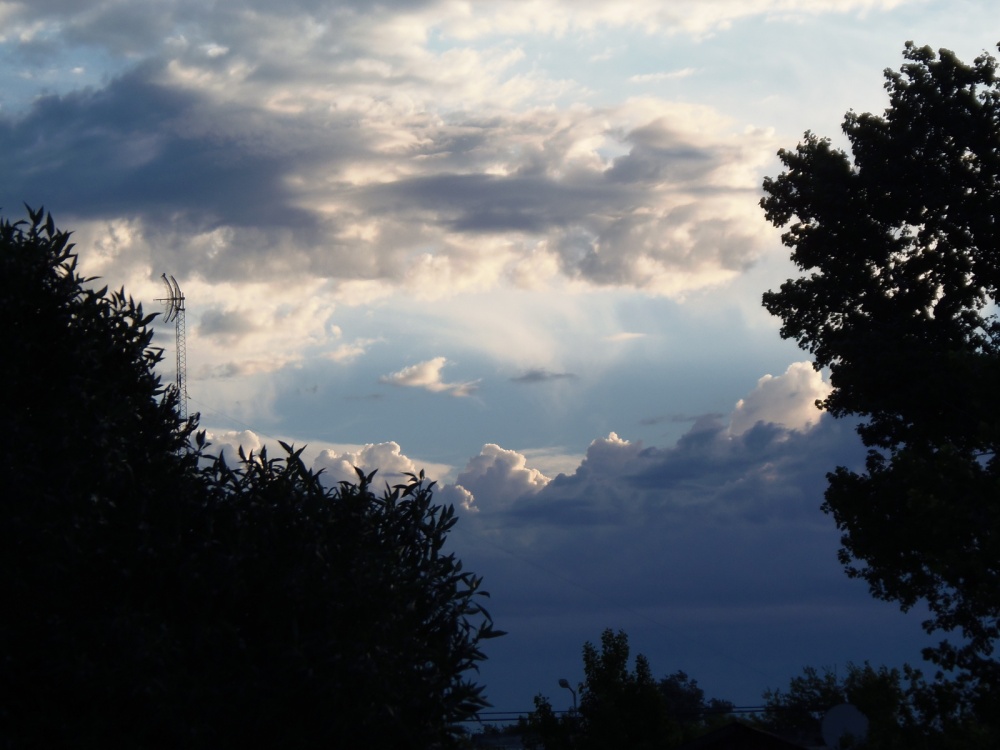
(686, 703)
(157, 597)
(625, 708)
(618, 707)
(98, 475)
(900, 245)
(353, 622)
(903, 710)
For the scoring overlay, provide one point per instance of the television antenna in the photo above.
(175, 312)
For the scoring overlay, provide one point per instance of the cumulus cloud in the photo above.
(336, 462)
(619, 481)
(229, 442)
(651, 523)
(427, 375)
(496, 477)
(788, 400)
(338, 144)
(720, 535)
(769, 449)
(711, 524)
(387, 458)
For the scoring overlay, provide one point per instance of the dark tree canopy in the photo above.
(900, 245)
(904, 711)
(686, 702)
(154, 596)
(94, 457)
(626, 708)
(355, 626)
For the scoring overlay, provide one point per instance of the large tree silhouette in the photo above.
(900, 245)
(155, 596)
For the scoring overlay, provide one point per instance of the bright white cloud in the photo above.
(497, 477)
(229, 442)
(386, 457)
(348, 352)
(788, 400)
(427, 375)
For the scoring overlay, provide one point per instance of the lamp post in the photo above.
(564, 683)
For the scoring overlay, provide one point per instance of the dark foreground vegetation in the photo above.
(156, 596)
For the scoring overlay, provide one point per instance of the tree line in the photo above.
(621, 704)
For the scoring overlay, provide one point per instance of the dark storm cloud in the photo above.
(715, 545)
(768, 470)
(489, 203)
(725, 528)
(716, 519)
(144, 149)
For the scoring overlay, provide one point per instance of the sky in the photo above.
(515, 243)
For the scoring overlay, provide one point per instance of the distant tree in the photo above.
(904, 711)
(156, 597)
(797, 712)
(618, 707)
(686, 704)
(901, 247)
(544, 728)
(624, 708)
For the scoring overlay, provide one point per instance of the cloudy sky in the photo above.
(515, 243)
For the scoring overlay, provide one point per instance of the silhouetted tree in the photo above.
(618, 707)
(352, 623)
(156, 597)
(901, 247)
(686, 704)
(544, 728)
(624, 708)
(95, 516)
(904, 712)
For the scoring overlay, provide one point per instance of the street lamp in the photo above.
(564, 683)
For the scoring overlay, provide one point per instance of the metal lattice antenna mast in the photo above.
(175, 312)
